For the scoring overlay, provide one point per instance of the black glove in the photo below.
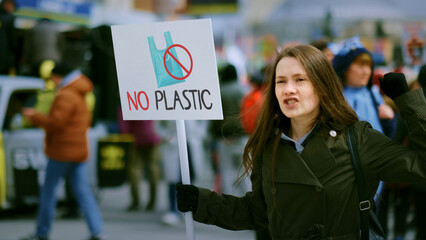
(187, 197)
(394, 84)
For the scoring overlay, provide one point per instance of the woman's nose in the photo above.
(289, 88)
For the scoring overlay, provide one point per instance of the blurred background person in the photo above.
(251, 104)
(228, 133)
(7, 36)
(354, 66)
(196, 133)
(146, 159)
(323, 45)
(67, 147)
(43, 42)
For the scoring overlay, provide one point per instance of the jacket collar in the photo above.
(292, 169)
(305, 168)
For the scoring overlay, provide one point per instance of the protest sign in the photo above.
(167, 70)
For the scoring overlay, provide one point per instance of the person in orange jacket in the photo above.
(251, 104)
(67, 148)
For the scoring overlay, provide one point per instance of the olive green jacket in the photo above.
(314, 194)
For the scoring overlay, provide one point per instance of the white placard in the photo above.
(167, 70)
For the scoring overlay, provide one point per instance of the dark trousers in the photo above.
(399, 199)
(420, 214)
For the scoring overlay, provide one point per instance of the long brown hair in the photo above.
(333, 107)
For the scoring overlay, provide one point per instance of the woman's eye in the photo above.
(300, 79)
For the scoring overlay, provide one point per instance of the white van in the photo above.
(22, 158)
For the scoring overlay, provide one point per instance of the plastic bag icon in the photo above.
(157, 56)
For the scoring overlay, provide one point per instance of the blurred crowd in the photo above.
(217, 146)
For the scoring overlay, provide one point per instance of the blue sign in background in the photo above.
(68, 11)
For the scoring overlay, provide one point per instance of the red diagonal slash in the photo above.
(188, 72)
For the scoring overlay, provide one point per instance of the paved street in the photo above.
(119, 224)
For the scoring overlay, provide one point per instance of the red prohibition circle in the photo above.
(188, 72)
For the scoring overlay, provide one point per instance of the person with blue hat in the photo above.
(354, 66)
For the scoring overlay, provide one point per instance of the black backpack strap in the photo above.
(364, 202)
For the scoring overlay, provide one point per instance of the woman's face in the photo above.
(358, 73)
(294, 90)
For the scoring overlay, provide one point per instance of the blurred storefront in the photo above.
(247, 32)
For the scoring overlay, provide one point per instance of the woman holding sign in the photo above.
(298, 159)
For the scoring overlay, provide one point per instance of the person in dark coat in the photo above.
(303, 181)
(7, 36)
(418, 190)
(43, 42)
